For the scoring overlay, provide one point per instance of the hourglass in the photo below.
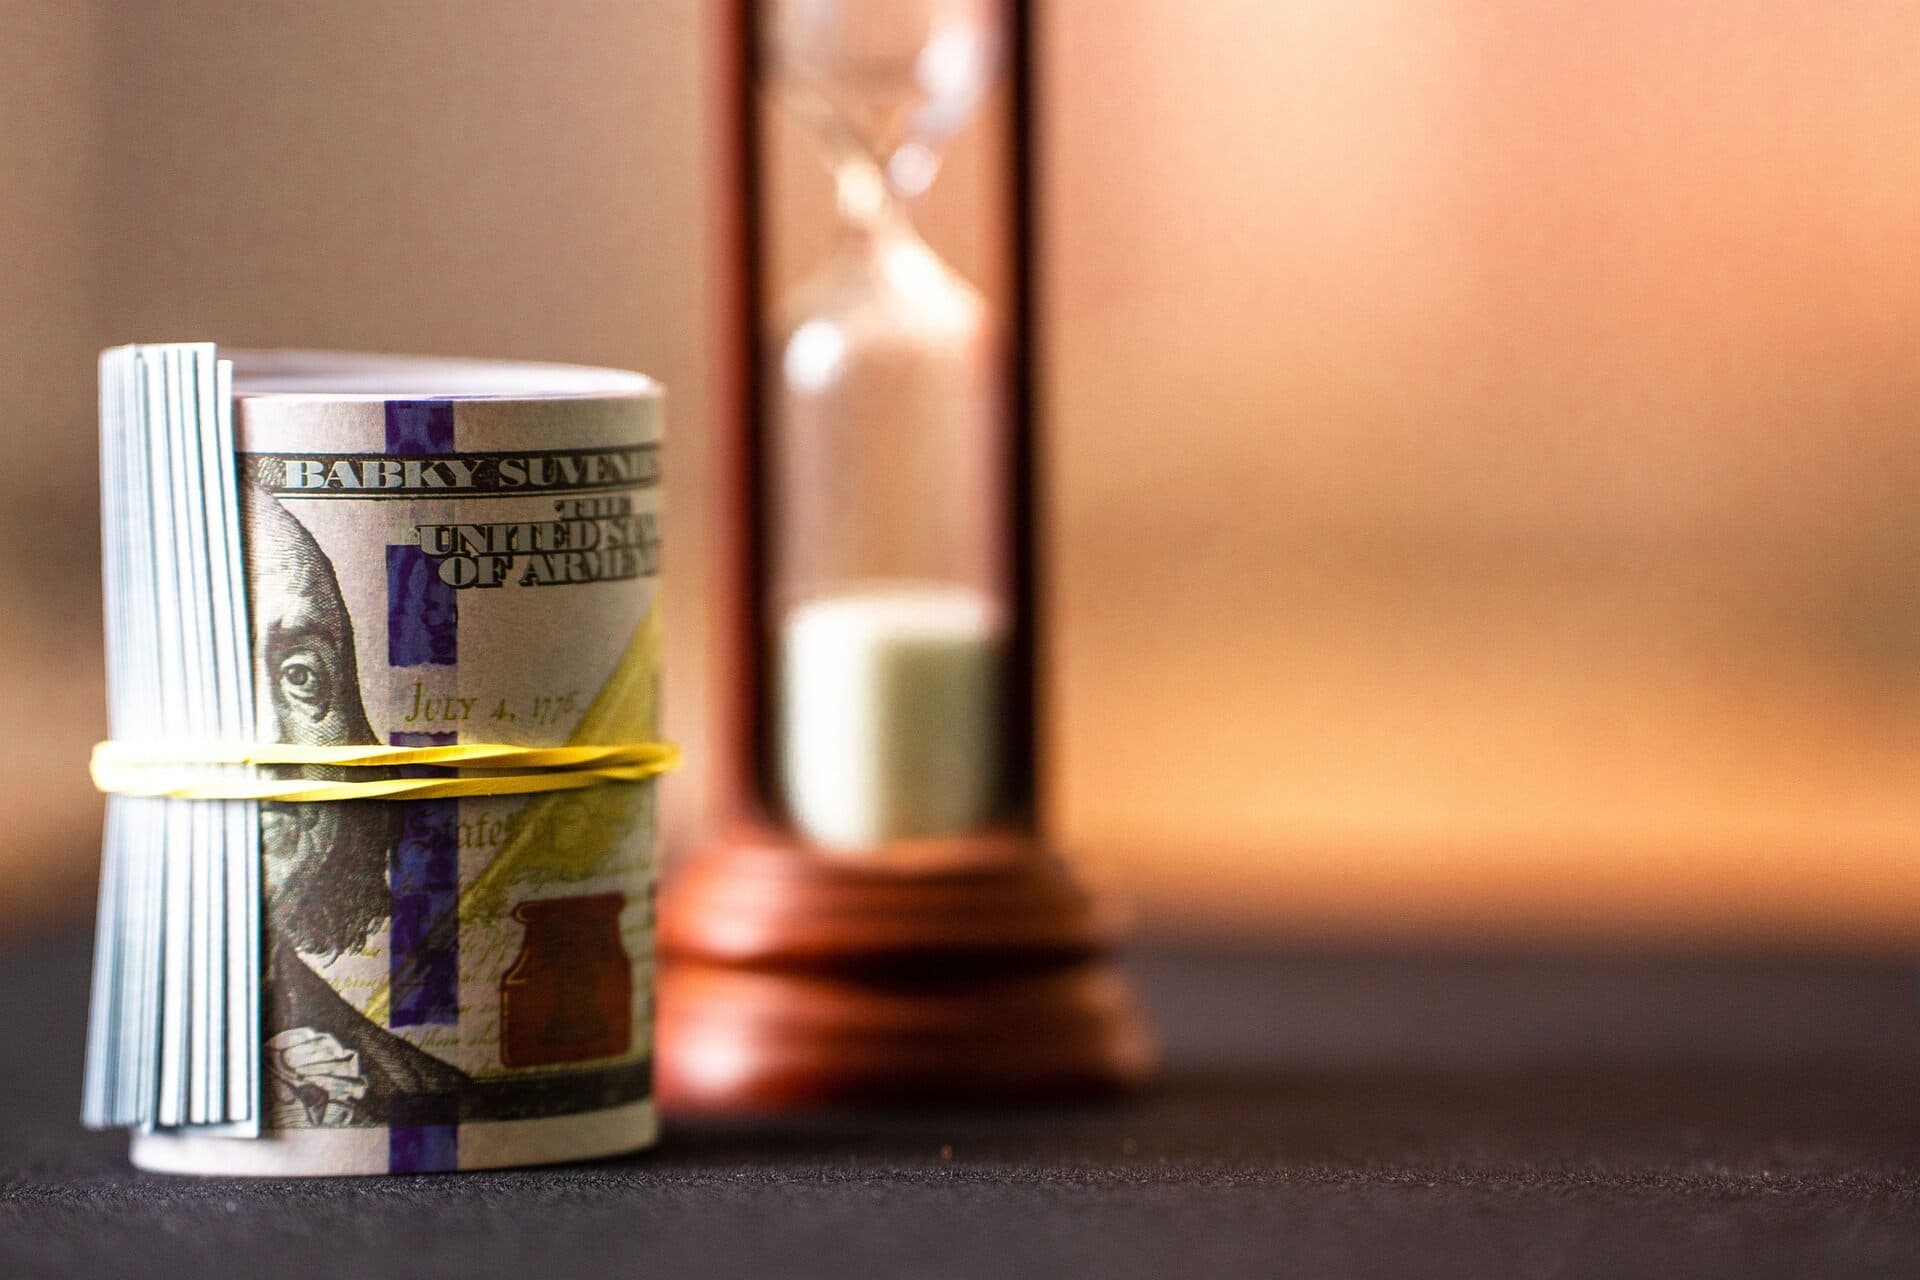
(879, 915)
(887, 584)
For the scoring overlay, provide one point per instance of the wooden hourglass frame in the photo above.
(961, 966)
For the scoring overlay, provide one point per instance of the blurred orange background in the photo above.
(1482, 455)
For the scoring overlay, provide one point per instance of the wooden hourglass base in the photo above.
(956, 970)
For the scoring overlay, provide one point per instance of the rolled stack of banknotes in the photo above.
(326, 943)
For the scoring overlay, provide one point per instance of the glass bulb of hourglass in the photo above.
(890, 80)
(887, 463)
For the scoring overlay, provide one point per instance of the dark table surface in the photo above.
(1357, 1115)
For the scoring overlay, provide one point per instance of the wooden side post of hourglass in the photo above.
(953, 968)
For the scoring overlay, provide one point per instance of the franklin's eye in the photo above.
(304, 681)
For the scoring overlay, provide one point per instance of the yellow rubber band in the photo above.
(157, 770)
(465, 755)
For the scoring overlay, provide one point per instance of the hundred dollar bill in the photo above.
(422, 553)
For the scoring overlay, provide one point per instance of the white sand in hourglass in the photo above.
(890, 702)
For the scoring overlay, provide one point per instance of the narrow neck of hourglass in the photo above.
(868, 204)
